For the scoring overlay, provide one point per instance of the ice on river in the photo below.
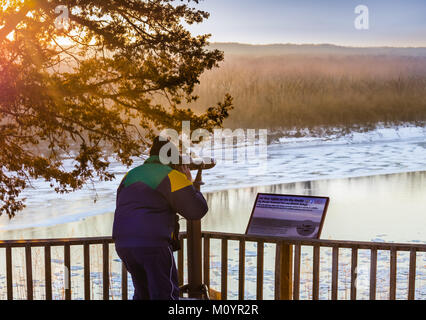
(383, 150)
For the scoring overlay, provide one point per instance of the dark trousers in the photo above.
(153, 272)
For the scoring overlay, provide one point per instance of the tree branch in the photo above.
(16, 18)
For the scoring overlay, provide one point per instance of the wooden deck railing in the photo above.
(66, 244)
(290, 288)
(285, 249)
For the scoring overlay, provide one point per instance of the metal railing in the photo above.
(287, 264)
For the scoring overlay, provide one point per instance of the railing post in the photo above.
(354, 272)
(296, 270)
(86, 261)
(241, 269)
(259, 267)
(67, 271)
(194, 259)
(29, 271)
(335, 274)
(48, 272)
(284, 263)
(9, 272)
(315, 272)
(195, 277)
(412, 275)
(105, 270)
(224, 270)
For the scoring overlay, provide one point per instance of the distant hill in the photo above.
(313, 49)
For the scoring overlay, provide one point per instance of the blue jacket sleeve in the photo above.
(189, 203)
(184, 198)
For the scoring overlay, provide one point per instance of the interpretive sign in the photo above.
(289, 216)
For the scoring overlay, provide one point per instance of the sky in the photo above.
(400, 23)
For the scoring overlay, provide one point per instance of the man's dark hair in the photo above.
(157, 144)
(160, 142)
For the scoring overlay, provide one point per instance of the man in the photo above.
(148, 199)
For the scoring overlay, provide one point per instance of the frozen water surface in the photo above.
(382, 151)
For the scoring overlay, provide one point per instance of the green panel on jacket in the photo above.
(150, 173)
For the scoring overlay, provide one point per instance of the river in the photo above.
(374, 179)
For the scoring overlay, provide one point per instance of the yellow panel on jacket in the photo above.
(178, 180)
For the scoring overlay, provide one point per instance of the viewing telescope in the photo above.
(197, 163)
(201, 163)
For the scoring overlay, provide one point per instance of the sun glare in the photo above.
(11, 36)
(5, 4)
(63, 41)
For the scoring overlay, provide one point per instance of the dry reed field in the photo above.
(351, 92)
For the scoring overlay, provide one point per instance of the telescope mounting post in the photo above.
(195, 281)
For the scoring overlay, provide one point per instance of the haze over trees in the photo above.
(80, 90)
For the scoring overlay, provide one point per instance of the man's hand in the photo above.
(184, 169)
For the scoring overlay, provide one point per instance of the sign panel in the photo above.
(288, 216)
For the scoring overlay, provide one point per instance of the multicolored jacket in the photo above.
(148, 198)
